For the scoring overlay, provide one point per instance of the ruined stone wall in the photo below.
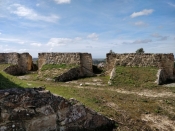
(84, 60)
(86, 63)
(23, 60)
(58, 58)
(161, 61)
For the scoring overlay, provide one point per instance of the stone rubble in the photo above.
(36, 109)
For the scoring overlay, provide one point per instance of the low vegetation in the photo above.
(122, 101)
(139, 77)
(57, 66)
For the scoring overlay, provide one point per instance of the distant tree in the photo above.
(111, 52)
(140, 51)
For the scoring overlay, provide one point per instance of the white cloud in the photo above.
(62, 1)
(173, 5)
(9, 50)
(22, 50)
(37, 4)
(93, 36)
(140, 23)
(58, 42)
(36, 44)
(141, 13)
(12, 40)
(0, 33)
(30, 14)
(78, 38)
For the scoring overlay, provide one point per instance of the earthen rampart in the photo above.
(161, 61)
(23, 60)
(84, 60)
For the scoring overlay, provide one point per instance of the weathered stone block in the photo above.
(35, 109)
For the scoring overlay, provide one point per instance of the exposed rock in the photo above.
(71, 74)
(112, 75)
(15, 70)
(101, 65)
(161, 77)
(36, 109)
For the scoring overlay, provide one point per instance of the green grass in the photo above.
(126, 109)
(135, 77)
(57, 66)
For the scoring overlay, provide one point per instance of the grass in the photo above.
(57, 66)
(126, 109)
(135, 77)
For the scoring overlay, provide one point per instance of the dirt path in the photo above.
(146, 93)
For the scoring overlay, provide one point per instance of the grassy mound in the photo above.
(50, 71)
(6, 80)
(135, 76)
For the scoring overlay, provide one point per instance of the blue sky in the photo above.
(94, 26)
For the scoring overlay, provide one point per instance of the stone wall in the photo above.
(36, 109)
(84, 60)
(161, 61)
(86, 63)
(23, 60)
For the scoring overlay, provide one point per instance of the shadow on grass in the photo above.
(5, 83)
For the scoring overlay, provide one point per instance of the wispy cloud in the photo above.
(30, 14)
(141, 13)
(139, 41)
(171, 4)
(19, 41)
(142, 41)
(140, 23)
(36, 44)
(58, 42)
(62, 1)
(22, 50)
(156, 35)
(93, 36)
(161, 38)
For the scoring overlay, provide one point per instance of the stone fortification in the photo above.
(164, 62)
(36, 109)
(23, 60)
(83, 60)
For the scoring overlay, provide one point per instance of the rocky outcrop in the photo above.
(36, 109)
(72, 74)
(161, 77)
(15, 70)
